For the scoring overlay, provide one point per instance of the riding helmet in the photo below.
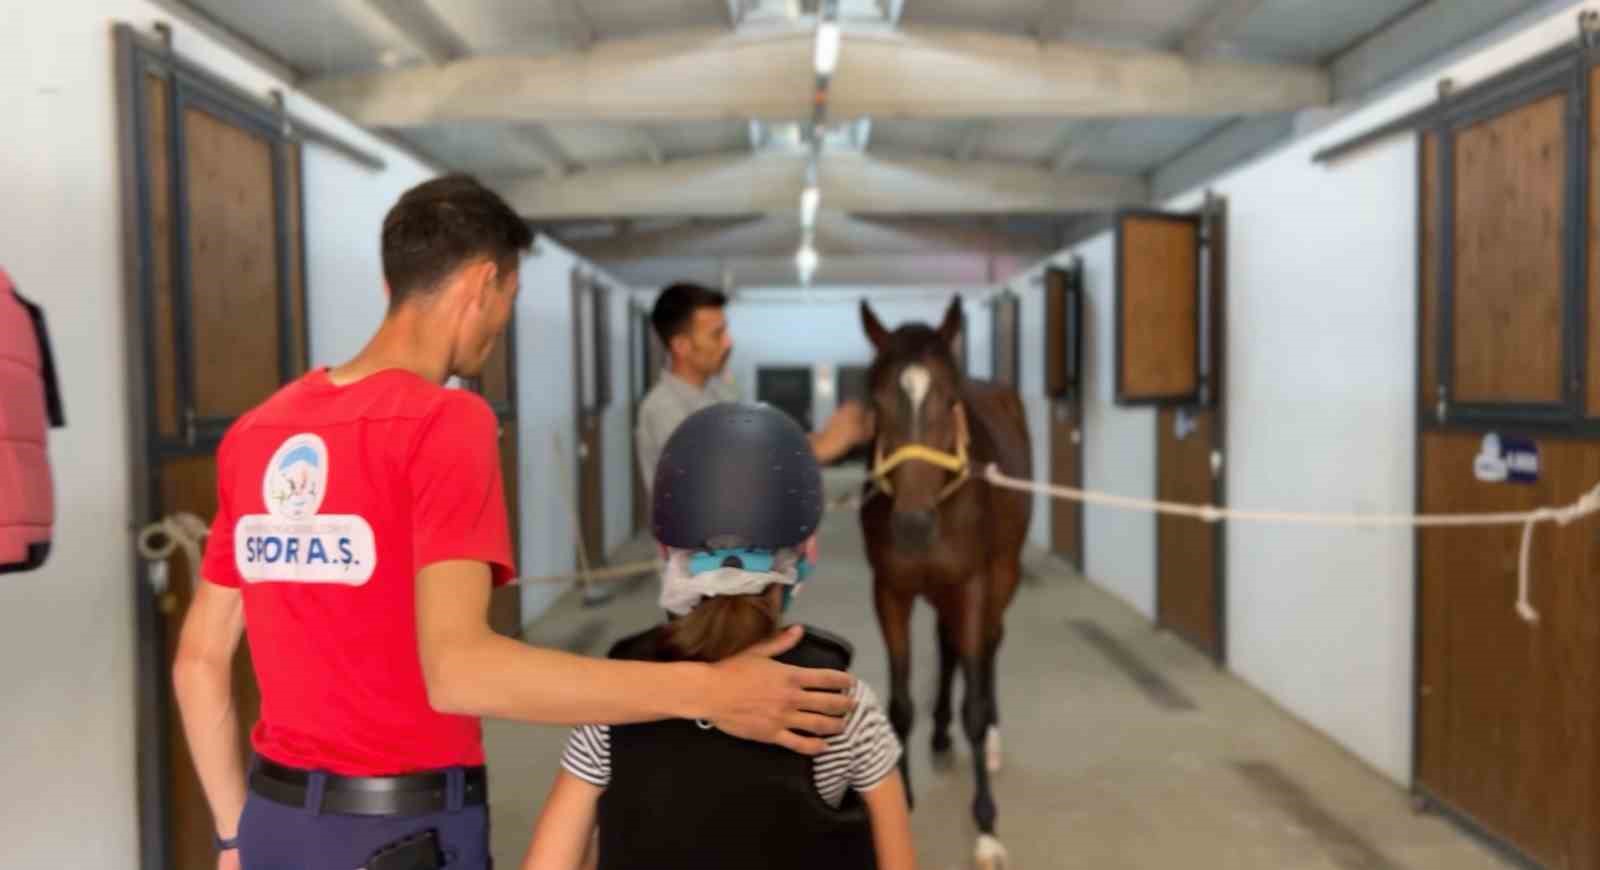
(737, 476)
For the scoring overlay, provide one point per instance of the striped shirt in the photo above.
(859, 757)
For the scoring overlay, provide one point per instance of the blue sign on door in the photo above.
(1503, 460)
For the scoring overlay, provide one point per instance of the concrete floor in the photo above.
(1124, 748)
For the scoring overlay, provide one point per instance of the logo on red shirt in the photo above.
(292, 543)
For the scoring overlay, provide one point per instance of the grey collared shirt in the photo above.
(664, 408)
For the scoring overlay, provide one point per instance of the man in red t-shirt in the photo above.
(361, 524)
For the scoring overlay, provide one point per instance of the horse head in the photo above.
(920, 452)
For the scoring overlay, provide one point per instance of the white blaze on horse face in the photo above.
(916, 380)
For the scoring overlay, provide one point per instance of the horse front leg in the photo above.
(976, 719)
(942, 706)
(894, 621)
(993, 755)
(1004, 577)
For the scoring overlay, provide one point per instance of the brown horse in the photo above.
(936, 529)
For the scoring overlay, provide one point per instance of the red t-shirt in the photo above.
(330, 499)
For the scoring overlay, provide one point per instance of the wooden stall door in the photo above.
(505, 607)
(640, 381)
(1066, 469)
(1158, 308)
(589, 350)
(1170, 315)
(1506, 710)
(1188, 588)
(641, 494)
(1005, 347)
(190, 484)
(1063, 342)
(217, 324)
(497, 385)
(591, 487)
(1508, 348)
(233, 312)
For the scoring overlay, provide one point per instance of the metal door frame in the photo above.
(139, 56)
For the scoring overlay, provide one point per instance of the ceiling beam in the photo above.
(1081, 139)
(858, 184)
(412, 23)
(582, 29)
(774, 236)
(647, 142)
(232, 39)
(970, 270)
(544, 150)
(971, 138)
(679, 76)
(1220, 23)
(1230, 145)
(936, 75)
(1054, 20)
(700, 237)
(1418, 45)
(1428, 34)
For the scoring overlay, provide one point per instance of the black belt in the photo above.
(408, 794)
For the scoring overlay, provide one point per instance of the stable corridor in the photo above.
(1124, 748)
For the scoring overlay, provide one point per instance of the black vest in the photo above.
(685, 796)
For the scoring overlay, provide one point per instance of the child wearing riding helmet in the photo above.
(737, 501)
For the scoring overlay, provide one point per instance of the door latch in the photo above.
(161, 585)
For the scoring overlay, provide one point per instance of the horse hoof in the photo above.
(991, 749)
(941, 744)
(990, 855)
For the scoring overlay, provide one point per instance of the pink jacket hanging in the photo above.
(29, 403)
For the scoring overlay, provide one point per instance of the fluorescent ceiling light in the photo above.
(810, 198)
(827, 55)
(806, 262)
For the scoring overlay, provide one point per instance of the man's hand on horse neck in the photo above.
(850, 425)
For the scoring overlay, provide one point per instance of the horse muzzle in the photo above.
(913, 530)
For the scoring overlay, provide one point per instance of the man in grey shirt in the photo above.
(692, 324)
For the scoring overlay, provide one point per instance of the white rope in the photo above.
(160, 539)
(1586, 504)
(584, 576)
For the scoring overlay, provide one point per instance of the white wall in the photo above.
(66, 631)
(1321, 372)
(345, 205)
(546, 409)
(618, 474)
(828, 332)
(546, 412)
(1119, 452)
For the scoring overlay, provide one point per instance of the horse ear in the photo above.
(951, 327)
(875, 331)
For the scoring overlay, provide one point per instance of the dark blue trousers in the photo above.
(273, 836)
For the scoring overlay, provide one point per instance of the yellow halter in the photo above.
(882, 466)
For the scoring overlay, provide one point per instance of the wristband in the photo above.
(224, 845)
